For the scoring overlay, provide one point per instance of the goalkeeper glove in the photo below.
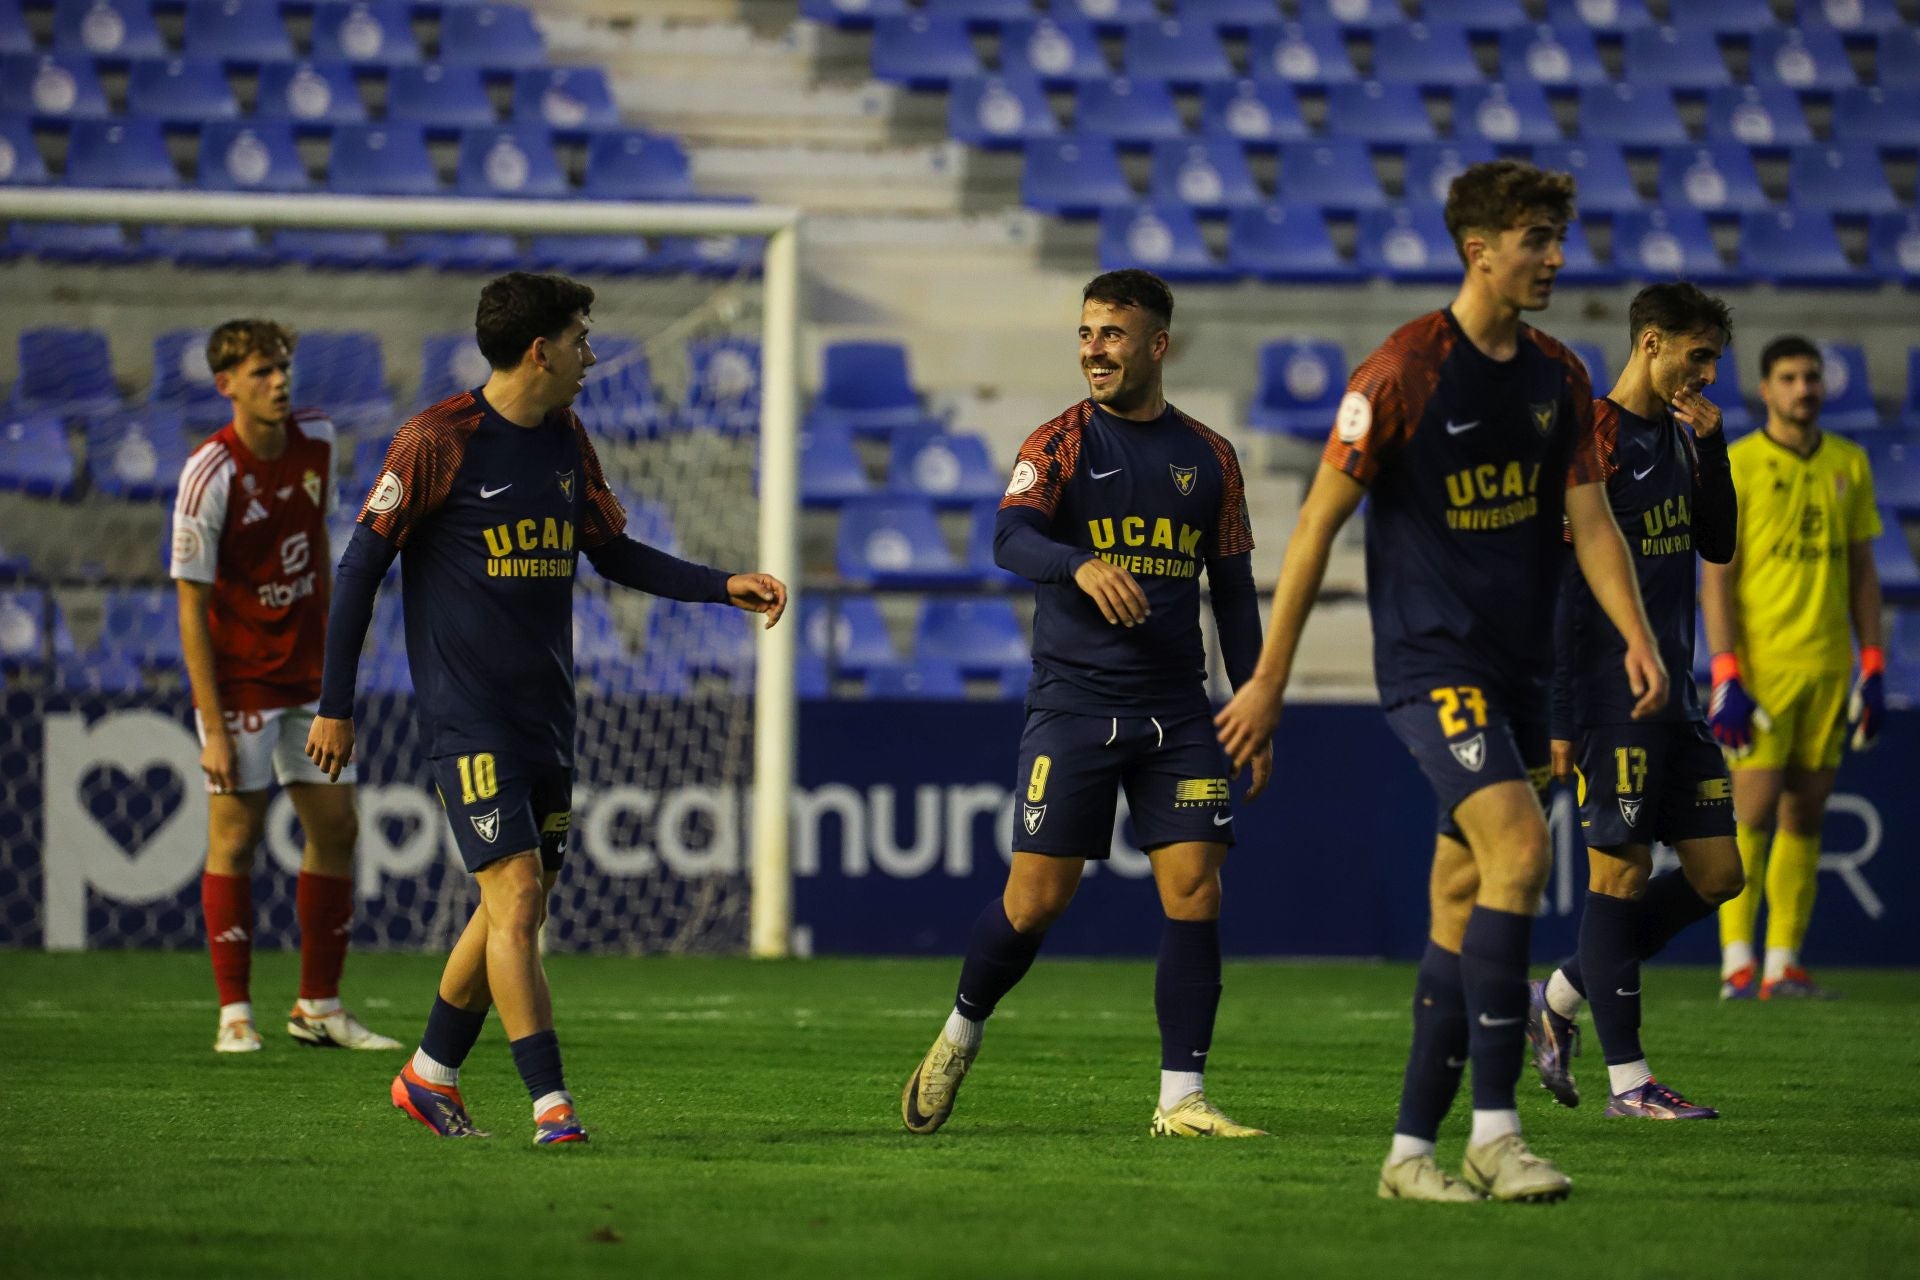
(1867, 709)
(1732, 714)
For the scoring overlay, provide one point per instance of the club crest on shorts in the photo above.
(487, 825)
(1032, 815)
(1183, 478)
(1472, 754)
(565, 480)
(1630, 809)
(1543, 416)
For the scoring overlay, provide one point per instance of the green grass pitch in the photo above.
(745, 1124)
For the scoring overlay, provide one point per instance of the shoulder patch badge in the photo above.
(387, 495)
(1025, 476)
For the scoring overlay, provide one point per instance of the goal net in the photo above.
(684, 739)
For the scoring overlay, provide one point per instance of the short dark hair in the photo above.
(235, 340)
(1677, 307)
(1495, 194)
(1133, 288)
(520, 306)
(1786, 347)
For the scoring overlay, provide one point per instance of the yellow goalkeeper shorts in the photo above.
(1808, 711)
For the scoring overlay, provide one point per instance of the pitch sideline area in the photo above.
(745, 1121)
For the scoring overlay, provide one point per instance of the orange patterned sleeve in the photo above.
(1233, 531)
(1606, 438)
(420, 467)
(1592, 459)
(1046, 462)
(602, 518)
(1386, 396)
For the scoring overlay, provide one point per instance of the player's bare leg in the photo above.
(1005, 940)
(324, 904)
(1756, 805)
(235, 823)
(1793, 874)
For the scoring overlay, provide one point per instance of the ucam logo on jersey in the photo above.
(1183, 478)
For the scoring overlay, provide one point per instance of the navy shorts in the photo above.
(1654, 781)
(499, 805)
(1073, 766)
(1464, 743)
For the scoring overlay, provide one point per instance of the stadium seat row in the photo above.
(250, 32)
(181, 91)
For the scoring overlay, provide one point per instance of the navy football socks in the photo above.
(538, 1059)
(1439, 1053)
(1611, 969)
(1669, 905)
(1493, 973)
(1186, 992)
(998, 956)
(451, 1033)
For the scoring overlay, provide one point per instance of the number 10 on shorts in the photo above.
(479, 779)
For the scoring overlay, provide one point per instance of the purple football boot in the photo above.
(1555, 1041)
(1654, 1101)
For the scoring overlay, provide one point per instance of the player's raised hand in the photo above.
(1247, 722)
(217, 760)
(1692, 407)
(1647, 679)
(330, 745)
(1120, 598)
(1262, 770)
(758, 593)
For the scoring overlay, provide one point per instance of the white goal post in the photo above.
(775, 708)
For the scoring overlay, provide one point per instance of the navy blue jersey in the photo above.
(1160, 499)
(489, 519)
(1671, 497)
(1468, 460)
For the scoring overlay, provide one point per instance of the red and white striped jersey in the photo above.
(256, 529)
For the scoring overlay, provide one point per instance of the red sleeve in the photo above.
(1588, 463)
(1606, 439)
(1046, 463)
(418, 475)
(1233, 531)
(1386, 396)
(602, 518)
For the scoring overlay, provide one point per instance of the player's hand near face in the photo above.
(1262, 770)
(217, 759)
(330, 745)
(1692, 407)
(1120, 598)
(758, 593)
(1247, 723)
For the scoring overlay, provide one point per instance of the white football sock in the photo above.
(548, 1101)
(318, 1008)
(1779, 960)
(434, 1072)
(1488, 1125)
(1734, 957)
(1562, 997)
(238, 1011)
(1175, 1085)
(964, 1031)
(1405, 1148)
(1628, 1075)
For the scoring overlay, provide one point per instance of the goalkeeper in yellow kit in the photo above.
(1778, 625)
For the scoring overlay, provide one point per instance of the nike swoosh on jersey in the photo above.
(1455, 428)
(1642, 475)
(488, 493)
(1102, 475)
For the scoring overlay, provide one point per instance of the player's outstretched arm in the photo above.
(760, 593)
(1247, 722)
(1608, 568)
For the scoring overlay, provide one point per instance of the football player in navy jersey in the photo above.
(1670, 487)
(492, 494)
(1474, 434)
(1114, 509)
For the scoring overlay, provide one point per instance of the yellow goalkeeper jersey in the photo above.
(1798, 517)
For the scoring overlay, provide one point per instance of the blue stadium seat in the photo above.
(364, 31)
(449, 364)
(76, 242)
(440, 96)
(981, 527)
(1909, 419)
(1893, 247)
(114, 29)
(866, 385)
(1595, 359)
(312, 94)
(1301, 382)
(382, 160)
(1896, 57)
(181, 379)
(1846, 178)
(143, 621)
(921, 679)
(1550, 56)
(509, 160)
(1718, 178)
(260, 156)
(1507, 114)
(1851, 17)
(1286, 242)
(850, 15)
(1334, 173)
(949, 470)
(1259, 114)
(637, 166)
(1613, 16)
(1801, 59)
(21, 164)
(596, 633)
(1356, 16)
(1896, 475)
(1632, 114)
(119, 153)
(1131, 112)
(1432, 166)
(649, 522)
(344, 373)
(137, 457)
(985, 15)
(982, 636)
(1300, 53)
(1889, 118)
(1163, 238)
(1667, 244)
(35, 458)
(848, 632)
(493, 35)
(1489, 17)
(1206, 174)
(1736, 415)
(1757, 116)
(701, 639)
(723, 384)
(1407, 245)
(1797, 246)
(233, 248)
(895, 542)
(1232, 17)
(1430, 54)
(1685, 57)
(1107, 15)
(1385, 114)
(33, 631)
(1606, 184)
(1057, 52)
(999, 111)
(1074, 177)
(50, 87)
(15, 35)
(718, 256)
(613, 255)
(1181, 53)
(1581, 266)
(1900, 586)
(180, 91)
(1849, 390)
(619, 401)
(1735, 17)
(831, 471)
(923, 50)
(236, 31)
(568, 100)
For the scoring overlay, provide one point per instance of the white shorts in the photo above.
(272, 745)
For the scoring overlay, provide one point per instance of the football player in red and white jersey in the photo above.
(250, 557)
